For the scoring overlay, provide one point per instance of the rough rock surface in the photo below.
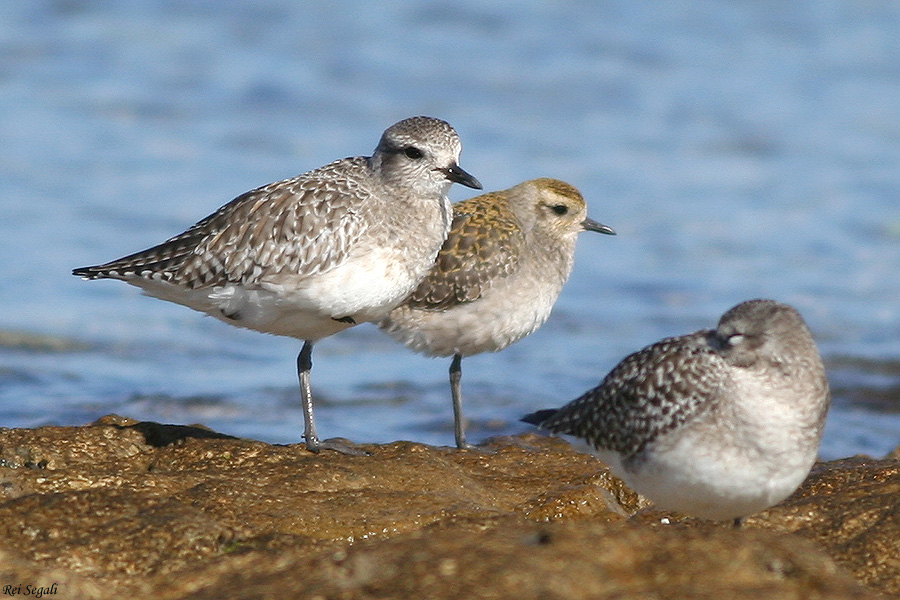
(127, 509)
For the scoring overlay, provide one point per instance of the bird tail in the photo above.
(88, 272)
(540, 417)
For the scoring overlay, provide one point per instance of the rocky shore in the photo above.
(121, 508)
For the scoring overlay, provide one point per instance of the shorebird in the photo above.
(310, 256)
(718, 424)
(496, 277)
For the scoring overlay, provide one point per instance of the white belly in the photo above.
(703, 474)
(488, 324)
(307, 308)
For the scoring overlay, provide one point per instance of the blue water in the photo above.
(740, 149)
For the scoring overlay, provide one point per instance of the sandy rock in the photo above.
(20, 578)
(513, 558)
(160, 511)
(851, 509)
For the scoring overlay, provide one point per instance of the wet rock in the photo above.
(166, 511)
(513, 558)
(851, 509)
(22, 578)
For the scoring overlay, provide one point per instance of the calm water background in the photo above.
(740, 149)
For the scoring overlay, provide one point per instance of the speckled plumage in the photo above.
(496, 277)
(483, 245)
(720, 423)
(309, 256)
(648, 394)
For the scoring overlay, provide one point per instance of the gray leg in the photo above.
(313, 443)
(458, 425)
(304, 366)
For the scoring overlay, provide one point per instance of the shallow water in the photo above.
(740, 150)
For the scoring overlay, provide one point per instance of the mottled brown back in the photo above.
(484, 244)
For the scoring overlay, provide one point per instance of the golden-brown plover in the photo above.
(718, 424)
(496, 277)
(309, 256)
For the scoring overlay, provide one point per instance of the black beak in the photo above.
(456, 174)
(592, 225)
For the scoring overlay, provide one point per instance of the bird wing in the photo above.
(482, 246)
(302, 225)
(646, 395)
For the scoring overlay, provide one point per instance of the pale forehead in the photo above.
(559, 190)
(423, 130)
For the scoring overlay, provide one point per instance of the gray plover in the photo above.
(310, 256)
(718, 424)
(496, 277)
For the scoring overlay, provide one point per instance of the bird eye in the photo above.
(413, 152)
(734, 340)
(560, 209)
